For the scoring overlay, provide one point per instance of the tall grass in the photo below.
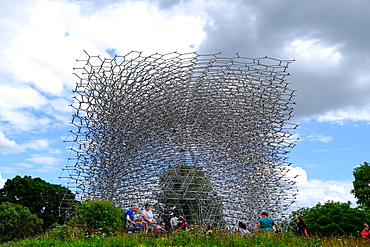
(69, 236)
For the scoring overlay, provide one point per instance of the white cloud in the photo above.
(39, 144)
(2, 181)
(312, 191)
(7, 169)
(297, 174)
(24, 166)
(48, 169)
(15, 97)
(348, 113)
(320, 138)
(9, 146)
(55, 151)
(18, 105)
(43, 40)
(314, 52)
(315, 191)
(46, 160)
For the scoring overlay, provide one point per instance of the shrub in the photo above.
(98, 216)
(65, 232)
(17, 222)
(334, 219)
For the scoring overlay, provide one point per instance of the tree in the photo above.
(361, 185)
(96, 214)
(17, 222)
(42, 198)
(186, 190)
(334, 218)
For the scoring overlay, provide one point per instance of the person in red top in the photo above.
(366, 232)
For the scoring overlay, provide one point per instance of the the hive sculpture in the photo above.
(199, 135)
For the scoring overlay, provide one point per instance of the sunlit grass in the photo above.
(67, 236)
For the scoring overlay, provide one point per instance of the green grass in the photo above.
(64, 236)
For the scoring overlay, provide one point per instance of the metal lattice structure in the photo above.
(200, 135)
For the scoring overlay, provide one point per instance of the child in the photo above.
(168, 226)
(182, 224)
(138, 227)
(242, 229)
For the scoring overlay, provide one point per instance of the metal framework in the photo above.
(200, 135)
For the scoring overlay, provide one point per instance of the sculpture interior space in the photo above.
(202, 136)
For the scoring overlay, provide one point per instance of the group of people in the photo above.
(143, 223)
(175, 224)
(268, 224)
(147, 223)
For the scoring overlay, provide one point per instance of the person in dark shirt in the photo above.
(301, 227)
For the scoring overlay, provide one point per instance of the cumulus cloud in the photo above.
(23, 166)
(9, 146)
(314, 54)
(57, 31)
(348, 113)
(44, 38)
(320, 138)
(291, 29)
(46, 160)
(313, 191)
(8, 169)
(41, 40)
(2, 181)
(39, 144)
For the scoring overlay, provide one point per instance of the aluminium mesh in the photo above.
(202, 136)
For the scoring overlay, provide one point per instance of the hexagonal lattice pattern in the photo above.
(202, 135)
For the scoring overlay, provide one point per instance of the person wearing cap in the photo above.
(129, 216)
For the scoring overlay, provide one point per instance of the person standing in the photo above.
(147, 217)
(266, 223)
(129, 217)
(173, 222)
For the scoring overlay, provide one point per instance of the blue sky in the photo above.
(41, 40)
(331, 151)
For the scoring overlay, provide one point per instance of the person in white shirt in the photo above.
(147, 216)
(173, 222)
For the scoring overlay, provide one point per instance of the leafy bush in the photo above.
(98, 216)
(17, 222)
(65, 232)
(334, 219)
(40, 197)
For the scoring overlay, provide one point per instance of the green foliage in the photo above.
(98, 216)
(334, 219)
(65, 232)
(42, 198)
(193, 239)
(361, 184)
(17, 222)
(187, 191)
